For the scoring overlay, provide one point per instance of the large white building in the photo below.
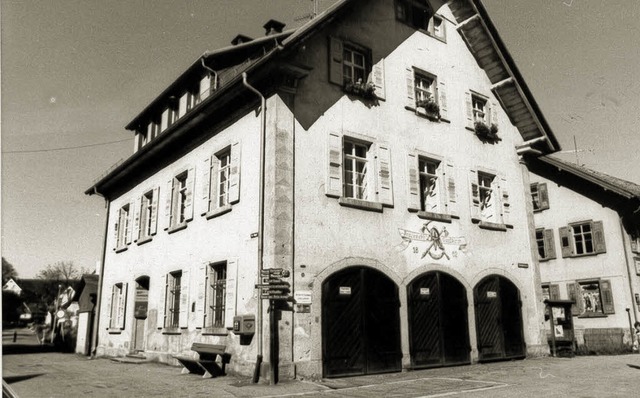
(393, 194)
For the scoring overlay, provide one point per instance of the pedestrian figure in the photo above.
(636, 340)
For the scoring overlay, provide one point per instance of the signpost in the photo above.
(272, 287)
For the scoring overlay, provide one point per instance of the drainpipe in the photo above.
(263, 124)
(213, 72)
(96, 322)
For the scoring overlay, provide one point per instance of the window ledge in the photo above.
(585, 254)
(120, 249)
(421, 112)
(171, 331)
(144, 240)
(360, 204)
(114, 330)
(217, 212)
(492, 226)
(592, 316)
(215, 331)
(177, 227)
(427, 215)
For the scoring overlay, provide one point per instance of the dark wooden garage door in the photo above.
(360, 323)
(438, 327)
(498, 319)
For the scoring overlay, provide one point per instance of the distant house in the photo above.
(12, 286)
(587, 234)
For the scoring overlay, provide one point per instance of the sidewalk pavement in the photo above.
(33, 373)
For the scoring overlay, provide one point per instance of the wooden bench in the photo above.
(205, 364)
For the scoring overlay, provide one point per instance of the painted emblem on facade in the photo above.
(436, 241)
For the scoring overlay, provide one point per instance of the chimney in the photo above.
(273, 27)
(240, 39)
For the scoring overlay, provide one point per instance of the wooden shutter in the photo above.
(234, 174)
(634, 243)
(201, 294)
(505, 205)
(598, 237)
(474, 194)
(107, 305)
(469, 110)
(377, 78)
(566, 242)
(167, 207)
(410, 100)
(442, 100)
(554, 292)
(115, 234)
(183, 320)
(549, 244)
(413, 185)
(335, 60)
(231, 292)
(449, 182)
(136, 218)
(206, 185)
(209, 297)
(162, 304)
(122, 307)
(494, 113)
(154, 210)
(573, 289)
(334, 171)
(607, 297)
(188, 200)
(383, 167)
(543, 195)
(129, 232)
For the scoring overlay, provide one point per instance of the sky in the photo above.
(75, 72)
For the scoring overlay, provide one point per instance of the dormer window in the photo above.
(415, 13)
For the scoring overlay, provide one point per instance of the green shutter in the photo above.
(377, 78)
(167, 207)
(607, 297)
(468, 110)
(573, 289)
(554, 292)
(231, 292)
(566, 241)
(442, 100)
(183, 320)
(162, 303)
(449, 182)
(474, 194)
(234, 173)
(333, 182)
(413, 185)
(384, 181)
(206, 185)
(154, 210)
(201, 294)
(598, 237)
(410, 99)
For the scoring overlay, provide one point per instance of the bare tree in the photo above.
(8, 271)
(62, 271)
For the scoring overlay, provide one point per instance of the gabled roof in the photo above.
(474, 25)
(624, 188)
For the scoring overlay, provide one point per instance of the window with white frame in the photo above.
(437, 27)
(425, 88)
(539, 196)
(354, 67)
(487, 198)
(216, 295)
(356, 170)
(415, 13)
(490, 204)
(430, 192)
(172, 297)
(123, 226)
(582, 238)
(117, 310)
(179, 206)
(221, 176)
(480, 109)
(148, 214)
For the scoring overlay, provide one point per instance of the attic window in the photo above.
(415, 13)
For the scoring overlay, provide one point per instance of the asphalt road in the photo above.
(30, 372)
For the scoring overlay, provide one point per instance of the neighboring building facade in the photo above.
(401, 213)
(586, 233)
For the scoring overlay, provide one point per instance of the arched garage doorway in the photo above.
(360, 323)
(498, 319)
(438, 327)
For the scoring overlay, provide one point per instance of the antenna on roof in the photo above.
(310, 15)
(575, 150)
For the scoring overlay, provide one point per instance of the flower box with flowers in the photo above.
(361, 89)
(486, 132)
(428, 108)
